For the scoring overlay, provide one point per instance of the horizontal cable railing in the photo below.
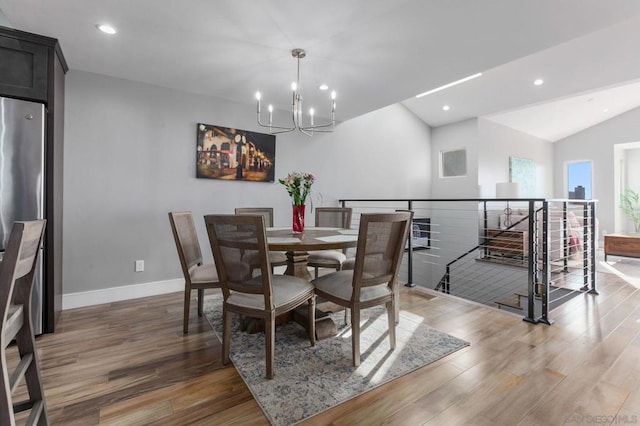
(521, 255)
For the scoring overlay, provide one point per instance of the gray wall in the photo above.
(489, 146)
(497, 144)
(597, 144)
(463, 134)
(632, 169)
(130, 159)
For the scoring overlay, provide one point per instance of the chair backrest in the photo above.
(234, 238)
(381, 241)
(266, 212)
(335, 217)
(19, 265)
(186, 238)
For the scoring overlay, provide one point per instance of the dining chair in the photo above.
(264, 296)
(350, 263)
(197, 275)
(276, 258)
(17, 272)
(334, 217)
(381, 239)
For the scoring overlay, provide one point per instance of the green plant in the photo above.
(630, 205)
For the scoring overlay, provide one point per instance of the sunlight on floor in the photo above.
(607, 268)
(376, 356)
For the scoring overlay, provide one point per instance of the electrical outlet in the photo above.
(139, 265)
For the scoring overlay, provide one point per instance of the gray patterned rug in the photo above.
(309, 380)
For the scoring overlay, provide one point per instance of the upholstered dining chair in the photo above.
(197, 275)
(264, 296)
(276, 258)
(17, 272)
(350, 263)
(381, 240)
(334, 217)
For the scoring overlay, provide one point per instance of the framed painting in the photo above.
(453, 163)
(234, 154)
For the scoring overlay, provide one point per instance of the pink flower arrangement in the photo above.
(298, 186)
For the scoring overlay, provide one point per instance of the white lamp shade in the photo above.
(508, 190)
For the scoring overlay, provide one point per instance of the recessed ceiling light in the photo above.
(605, 110)
(446, 107)
(446, 86)
(107, 29)
(323, 87)
(538, 82)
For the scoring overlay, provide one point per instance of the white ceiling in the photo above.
(372, 52)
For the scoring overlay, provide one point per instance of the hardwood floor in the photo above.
(128, 363)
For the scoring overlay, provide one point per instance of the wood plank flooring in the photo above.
(128, 363)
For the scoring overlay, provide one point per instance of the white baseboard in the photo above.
(115, 294)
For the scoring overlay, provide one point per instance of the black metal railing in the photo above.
(523, 248)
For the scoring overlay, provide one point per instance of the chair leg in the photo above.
(6, 407)
(226, 335)
(27, 347)
(396, 304)
(312, 320)
(187, 305)
(269, 337)
(346, 316)
(392, 324)
(355, 335)
(316, 271)
(200, 301)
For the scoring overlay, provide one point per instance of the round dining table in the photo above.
(297, 246)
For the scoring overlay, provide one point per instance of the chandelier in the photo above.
(296, 109)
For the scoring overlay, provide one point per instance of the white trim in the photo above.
(125, 292)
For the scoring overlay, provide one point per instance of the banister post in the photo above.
(531, 265)
(546, 265)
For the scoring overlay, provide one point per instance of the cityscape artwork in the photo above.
(234, 154)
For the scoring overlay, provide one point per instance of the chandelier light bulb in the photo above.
(333, 95)
(270, 108)
(258, 96)
(294, 86)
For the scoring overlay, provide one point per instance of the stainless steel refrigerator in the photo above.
(22, 178)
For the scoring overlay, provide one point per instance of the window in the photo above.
(579, 180)
(453, 163)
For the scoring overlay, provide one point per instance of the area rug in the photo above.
(309, 380)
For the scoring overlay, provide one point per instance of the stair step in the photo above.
(512, 302)
(524, 293)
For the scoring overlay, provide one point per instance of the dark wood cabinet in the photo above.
(23, 69)
(507, 243)
(33, 68)
(621, 245)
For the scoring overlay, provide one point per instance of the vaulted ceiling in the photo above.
(372, 52)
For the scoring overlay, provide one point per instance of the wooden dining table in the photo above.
(297, 247)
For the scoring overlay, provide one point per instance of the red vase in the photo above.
(298, 218)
